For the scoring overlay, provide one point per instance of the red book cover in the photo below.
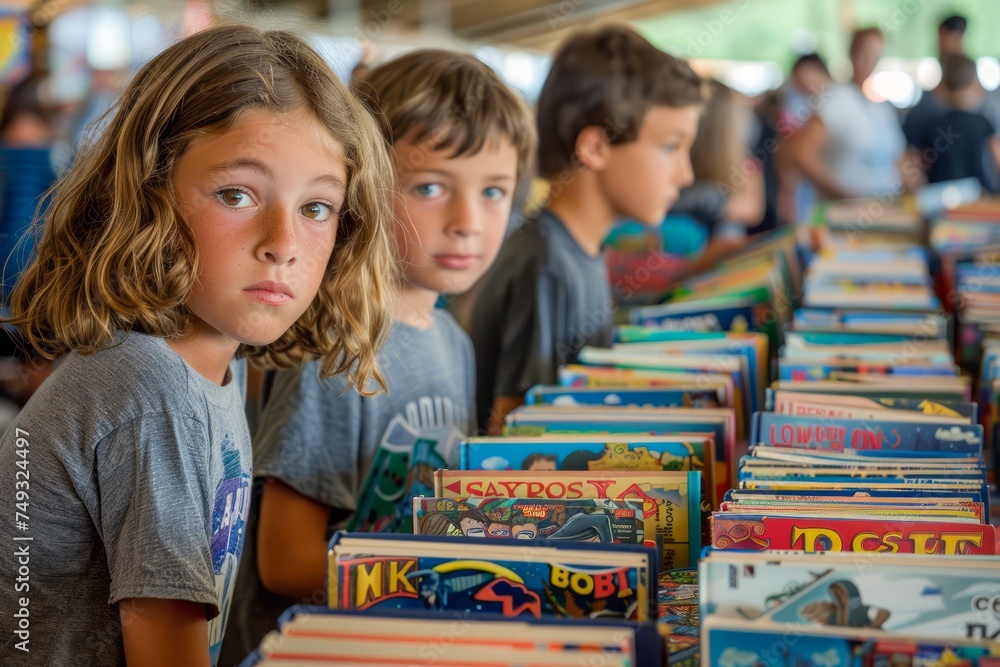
(760, 533)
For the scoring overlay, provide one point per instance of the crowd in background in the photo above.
(758, 163)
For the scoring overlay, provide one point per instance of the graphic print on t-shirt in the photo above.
(403, 467)
(232, 503)
(428, 412)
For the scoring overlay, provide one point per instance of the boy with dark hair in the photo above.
(926, 113)
(616, 119)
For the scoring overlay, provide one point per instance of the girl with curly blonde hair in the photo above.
(236, 204)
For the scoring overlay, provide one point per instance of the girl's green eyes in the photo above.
(237, 198)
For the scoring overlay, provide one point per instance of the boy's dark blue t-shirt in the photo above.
(956, 143)
(541, 302)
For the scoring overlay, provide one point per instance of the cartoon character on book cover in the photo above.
(601, 521)
(535, 589)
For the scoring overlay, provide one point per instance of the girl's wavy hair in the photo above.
(116, 255)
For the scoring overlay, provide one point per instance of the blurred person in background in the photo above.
(25, 174)
(953, 147)
(852, 146)
(789, 195)
(928, 110)
(711, 216)
(801, 92)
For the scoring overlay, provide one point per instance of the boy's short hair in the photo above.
(448, 100)
(954, 23)
(958, 71)
(608, 78)
(813, 59)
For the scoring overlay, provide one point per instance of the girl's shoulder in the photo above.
(139, 374)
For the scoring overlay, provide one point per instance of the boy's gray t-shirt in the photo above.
(138, 480)
(542, 301)
(320, 441)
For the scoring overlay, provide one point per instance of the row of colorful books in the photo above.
(968, 244)
(901, 481)
(854, 534)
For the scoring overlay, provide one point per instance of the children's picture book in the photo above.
(733, 365)
(735, 314)
(654, 397)
(760, 532)
(856, 407)
(507, 577)
(878, 437)
(719, 423)
(581, 520)
(863, 321)
(677, 616)
(882, 386)
(728, 643)
(677, 518)
(930, 596)
(594, 452)
(402, 468)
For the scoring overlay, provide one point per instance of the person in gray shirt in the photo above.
(216, 218)
(460, 139)
(116, 499)
(319, 441)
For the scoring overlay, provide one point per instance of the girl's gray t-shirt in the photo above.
(136, 484)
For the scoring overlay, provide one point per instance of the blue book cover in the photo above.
(796, 370)
(736, 315)
(881, 437)
(656, 397)
(521, 423)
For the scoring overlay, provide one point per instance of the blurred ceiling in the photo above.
(536, 24)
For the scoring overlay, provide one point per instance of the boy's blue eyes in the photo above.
(493, 193)
(237, 198)
(428, 189)
(433, 190)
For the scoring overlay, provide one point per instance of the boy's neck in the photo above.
(415, 306)
(584, 210)
(967, 99)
